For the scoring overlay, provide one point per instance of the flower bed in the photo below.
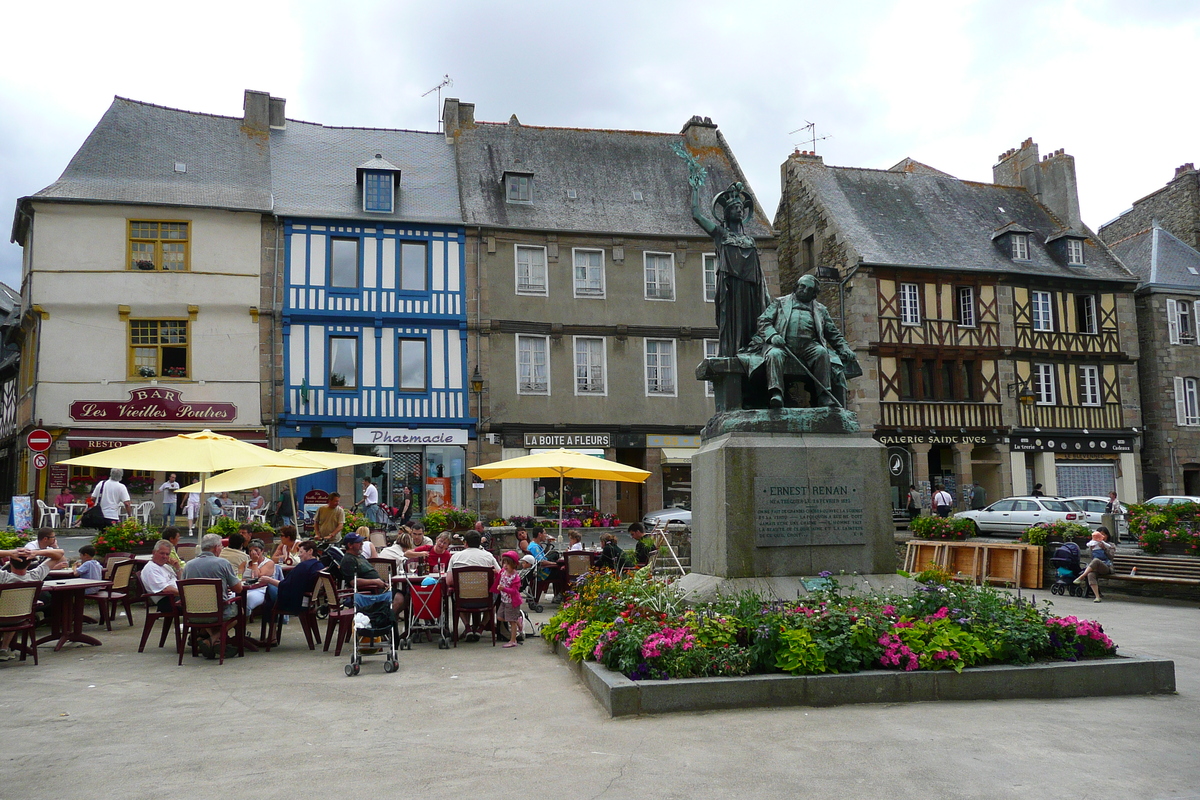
(1176, 526)
(641, 628)
(949, 528)
(129, 536)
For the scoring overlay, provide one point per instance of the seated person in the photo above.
(436, 555)
(210, 564)
(397, 549)
(214, 506)
(645, 547)
(234, 553)
(417, 529)
(288, 594)
(287, 552)
(48, 541)
(369, 588)
(575, 537)
(1101, 563)
(258, 566)
(89, 568)
(551, 570)
(257, 502)
(62, 500)
(611, 555)
(171, 534)
(21, 570)
(471, 556)
(368, 549)
(158, 579)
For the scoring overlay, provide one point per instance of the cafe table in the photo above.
(67, 598)
(74, 512)
(405, 581)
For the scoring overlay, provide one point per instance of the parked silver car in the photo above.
(671, 516)
(1171, 499)
(1093, 509)
(1015, 514)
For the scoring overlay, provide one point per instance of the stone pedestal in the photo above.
(780, 506)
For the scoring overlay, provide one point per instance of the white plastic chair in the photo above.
(142, 511)
(259, 516)
(47, 511)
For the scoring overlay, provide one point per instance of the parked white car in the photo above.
(671, 516)
(1093, 509)
(1171, 499)
(1015, 514)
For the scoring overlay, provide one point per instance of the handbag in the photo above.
(94, 517)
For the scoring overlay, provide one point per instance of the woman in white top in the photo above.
(1101, 563)
(259, 566)
(575, 538)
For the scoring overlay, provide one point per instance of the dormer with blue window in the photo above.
(379, 180)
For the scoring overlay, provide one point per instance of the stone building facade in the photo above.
(590, 303)
(996, 332)
(1175, 207)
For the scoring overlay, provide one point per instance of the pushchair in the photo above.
(377, 624)
(533, 586)
(426, 613)
(1066, 560)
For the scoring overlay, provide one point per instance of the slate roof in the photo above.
(1160, 259)
(904, 218)
(130, 157)
(604, 167)
(314, 172)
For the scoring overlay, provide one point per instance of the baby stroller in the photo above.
(533, 586)
(377, 624)
(426, 613)
(1066, 559)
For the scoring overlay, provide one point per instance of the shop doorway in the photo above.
(1191, 479)
(630, 496)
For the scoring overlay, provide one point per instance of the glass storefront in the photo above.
(435, 474)
(677, 485)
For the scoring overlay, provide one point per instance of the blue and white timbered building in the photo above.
(374, 305)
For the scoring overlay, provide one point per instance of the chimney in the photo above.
(457, 116)
(700, 132)
(277, 119)
(1050, 180)
(1184, 169)
(257, 108)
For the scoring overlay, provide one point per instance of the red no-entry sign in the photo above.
(39, 441)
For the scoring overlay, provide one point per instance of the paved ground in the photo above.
(108, 721)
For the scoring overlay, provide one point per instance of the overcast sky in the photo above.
(951, 84)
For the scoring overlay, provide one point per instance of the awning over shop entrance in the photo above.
(678, 455)
(108, 439)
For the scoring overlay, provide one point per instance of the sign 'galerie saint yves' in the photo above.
(163, 405)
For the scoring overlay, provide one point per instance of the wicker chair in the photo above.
(153, 615)
(201, 608)
(473, 592)
(112, 558)
(579, 563)
(187, 551)
(17, 601)
(119, 592)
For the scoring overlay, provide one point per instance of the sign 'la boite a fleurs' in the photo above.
(152, 404)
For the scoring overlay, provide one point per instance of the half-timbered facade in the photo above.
(374, 304)
(996, 331)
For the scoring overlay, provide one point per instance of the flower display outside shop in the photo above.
(1158, 526)
(445, 519)
(1057, 531)
(642, 628)
(124, 537)
(948, 528)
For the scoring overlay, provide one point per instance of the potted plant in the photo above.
(945, 528)
(128, 536)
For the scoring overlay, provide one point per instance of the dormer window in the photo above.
(1075, 252)
(1020, 246)
(379, 180)
(518, 187)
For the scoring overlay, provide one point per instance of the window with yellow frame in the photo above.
(158, 348)
(158, 245)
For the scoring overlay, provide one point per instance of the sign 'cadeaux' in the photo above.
(157, 404)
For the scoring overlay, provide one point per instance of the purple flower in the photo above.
(824, 573)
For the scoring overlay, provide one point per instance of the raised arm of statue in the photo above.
(696, 178)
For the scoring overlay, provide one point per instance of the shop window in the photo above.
(578, 495)
(677, 486)
(444, 471)
(158, 348)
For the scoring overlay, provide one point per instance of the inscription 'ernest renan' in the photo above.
(788, 514)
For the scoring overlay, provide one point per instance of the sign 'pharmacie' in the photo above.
(409, 436)
(153, 403)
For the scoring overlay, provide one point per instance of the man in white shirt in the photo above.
(471, 556)
(158, 578)
(169, 488)
(943, 502)
(371, 501)
(110, 494)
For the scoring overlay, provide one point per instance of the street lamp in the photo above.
(476, 387)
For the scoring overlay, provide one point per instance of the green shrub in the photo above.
(948, 528)
(11, 539)
(1059, 531)
(123, 537)
(448, 519)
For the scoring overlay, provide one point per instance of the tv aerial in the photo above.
(446, 82)
(811, 138)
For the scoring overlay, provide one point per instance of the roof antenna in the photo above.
(446, 82)
(812, 139)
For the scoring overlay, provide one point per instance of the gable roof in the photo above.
(314, 172)
(604, 167)
(900, 218)
(1160, 259)
(130, 157)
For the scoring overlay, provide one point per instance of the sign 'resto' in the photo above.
(152, 403)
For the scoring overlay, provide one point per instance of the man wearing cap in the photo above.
(19, 563)
(370, 588)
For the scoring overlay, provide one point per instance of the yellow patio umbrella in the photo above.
(254, 477)
(563, 464)
(204, 452)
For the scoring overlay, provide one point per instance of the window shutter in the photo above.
(1180, 403)
(1173, 321)
(1195, 320)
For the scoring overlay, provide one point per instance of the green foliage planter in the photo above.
(130, 536)
(640, 628)
(1059, 531)
(11, 539)
(1166, 529)
(946, 528)
(448, 519)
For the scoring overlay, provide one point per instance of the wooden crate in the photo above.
(980, 562)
